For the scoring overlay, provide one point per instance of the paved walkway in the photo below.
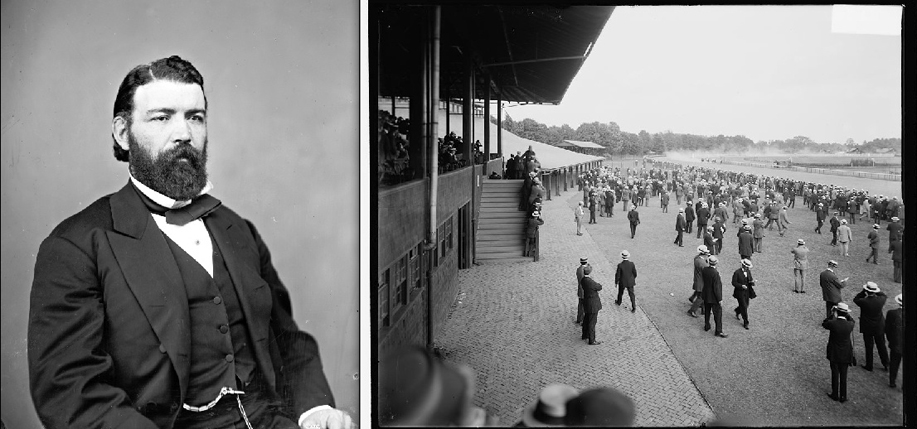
(513, 323)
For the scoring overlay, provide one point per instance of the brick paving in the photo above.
(513, 323)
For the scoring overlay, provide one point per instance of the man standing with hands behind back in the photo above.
(156, 306)
(831, 287)
(580, 272)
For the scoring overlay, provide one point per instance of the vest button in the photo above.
(162, 348)
(229, 358)
(217, 300)
(224, 329)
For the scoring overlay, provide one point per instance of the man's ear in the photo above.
(119, 131)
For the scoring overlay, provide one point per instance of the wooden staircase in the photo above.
(501, 225)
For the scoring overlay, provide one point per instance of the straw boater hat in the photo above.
(895, 218)
(900, 300)
(843, 221)
(550, 407)
(712, 260)
(625, 254)
(871, 287)
(875, 226)
(746, 263)
(843, 307)
(832, 263)
(584, 260)
(703, 249)
(800, 242)
(681, 210)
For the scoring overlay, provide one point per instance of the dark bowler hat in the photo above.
(417, 389)
(600, 407)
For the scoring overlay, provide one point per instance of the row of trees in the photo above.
(617, 141)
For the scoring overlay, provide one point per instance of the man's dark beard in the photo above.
(169, 174)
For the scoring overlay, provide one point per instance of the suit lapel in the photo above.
(153, 276)
(245, 279)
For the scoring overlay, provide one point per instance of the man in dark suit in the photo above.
(873, 244)
(820, 214)
(703, 215)
(894, 333)
(626, 278)
(719, 228)
(835, 224)
(580, 271)
(746, 243)
(157, 303)
(744, 283)
(831, 287)
(713, 297)
(591, 304)
(896, 251)
(839, 350)
(680, 227)
(689, 217)
(872, 322)
(709, 241)
(633, 217)
(700, 262)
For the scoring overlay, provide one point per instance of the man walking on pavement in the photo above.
(578, 214)
(873, 244)
(700, 262)
(634, 218)
(800, 265)
(626, 278)
(872, 322)
(894, 333)
(744, 284)
(831, 287)
(680, 227)
(713, 297)
(580, 272)
(591, 304)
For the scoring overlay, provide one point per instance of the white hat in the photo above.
(747, 263)
(712, 260)
(625, 254)
(550, 407)
(800, 241)
(842, 306)
(900, 300)
(702, 249)
(871, 287)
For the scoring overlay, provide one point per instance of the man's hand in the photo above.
(328, 419)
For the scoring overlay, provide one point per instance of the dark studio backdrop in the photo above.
(282, 83)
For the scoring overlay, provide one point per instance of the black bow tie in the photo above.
(198, 208)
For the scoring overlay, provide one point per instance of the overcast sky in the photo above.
(765, 72)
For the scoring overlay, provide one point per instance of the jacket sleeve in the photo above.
(68, 366)
(300, 377)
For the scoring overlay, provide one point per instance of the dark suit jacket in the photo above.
(634, 217)
(713, 286)
(109, 340)
(871, 318)
(873, 239)
(746, 243)
(738, 280)
(591, 301)
(840, 348)
(703, 215)
(680, 224)
(626, 274)
(830, 286)
(689, 214)
(700, 262)
(893, 330)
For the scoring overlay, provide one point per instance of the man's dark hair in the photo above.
(173, 68)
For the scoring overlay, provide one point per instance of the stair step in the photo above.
(508, 259)
(515, 250)
(498, 235)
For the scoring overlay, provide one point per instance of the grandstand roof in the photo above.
(531, 52)
(587, 145)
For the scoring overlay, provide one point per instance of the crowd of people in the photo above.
(708, 197)
(394, 160)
